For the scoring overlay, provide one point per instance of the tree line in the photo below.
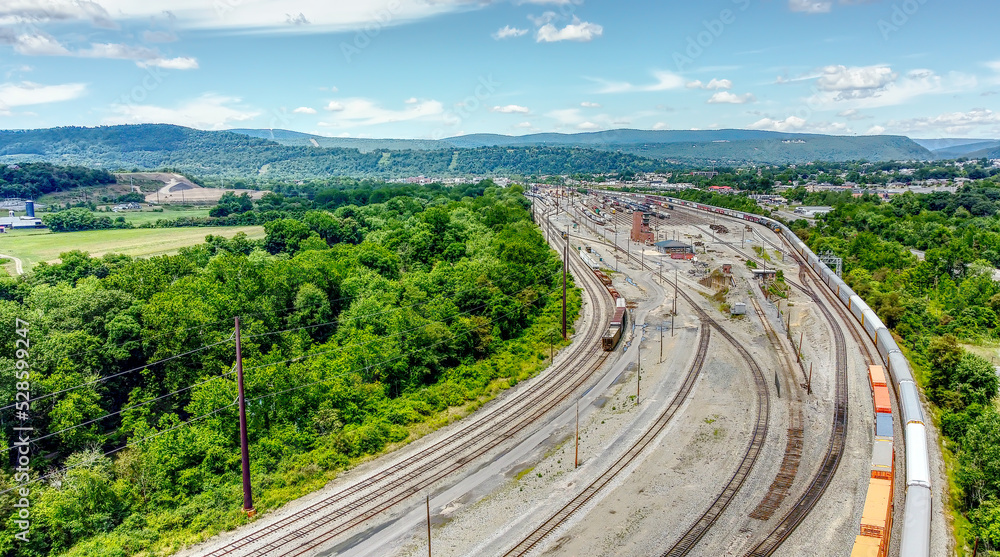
(359, 324)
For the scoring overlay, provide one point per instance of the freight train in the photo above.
(915, 537)
(617, 326)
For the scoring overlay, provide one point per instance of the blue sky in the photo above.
(439, 68)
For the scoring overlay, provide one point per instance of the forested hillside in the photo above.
(151, 147)
(236, 155)
(936, 303)
(361, 326)
(32, 180)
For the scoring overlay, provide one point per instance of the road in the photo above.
(18, 266)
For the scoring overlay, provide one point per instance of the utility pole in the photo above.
(565, 267)
(576, 459)
(661, 342)
(798, 349)
(809, 382)
(428, 500)
(244, 442)
(638, 369)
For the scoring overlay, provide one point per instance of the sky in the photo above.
(432, 69)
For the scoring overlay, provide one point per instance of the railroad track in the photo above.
(704, 523)
(560, 517)
(303, 531)
(835, 450)
(693, 535)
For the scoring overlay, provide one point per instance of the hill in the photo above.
(229, 154)
(720, 146)
(243, 155)
(299, 139)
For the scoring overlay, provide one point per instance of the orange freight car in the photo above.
(876, 376)
(882, 404)
(876, 520)
(866, 547)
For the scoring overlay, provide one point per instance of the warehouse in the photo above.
(20, 223)
(673, 246)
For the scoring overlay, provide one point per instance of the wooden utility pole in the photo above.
(565, 268)
(428, 500)
(638, 369)
(798, 349)
(576, 458)
(975, 548)
(244, 442)
(661, 343)
(809, 382)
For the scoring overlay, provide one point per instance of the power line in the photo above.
(218, 410)
(108, 378)
(297, 358)
(205, 347)
(122, 448)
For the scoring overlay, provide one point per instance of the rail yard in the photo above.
(673, 425)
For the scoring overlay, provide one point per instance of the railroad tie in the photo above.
(786, 476)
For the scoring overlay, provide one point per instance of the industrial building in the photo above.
(641, 232)
(12, 222)
(673, 246)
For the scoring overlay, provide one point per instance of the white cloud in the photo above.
(581, 31)
(525, 125)
(810, 6)
(794, 124)
(208, 111)
(856, 82)
(879, 86)
(719, 84)
(411, 100)
(365, 112)
(588, 126)
(27, 93)
(304, 110)
(181, 63)
(875, 130)
(664, 81)
(853, 114)
(725, 97)
(511, 109)
(715, 84)
(54, 10)
(509, 32)
(590, 105)
(661, 126)
(957, 123)
(39, 44)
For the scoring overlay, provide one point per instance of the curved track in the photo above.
(320, 522)
(838, 438)
(693, 535)
(658, 426)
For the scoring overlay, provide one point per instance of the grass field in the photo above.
(34, 246)
(168, 213)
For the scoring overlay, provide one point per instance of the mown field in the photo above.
(36, 246)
